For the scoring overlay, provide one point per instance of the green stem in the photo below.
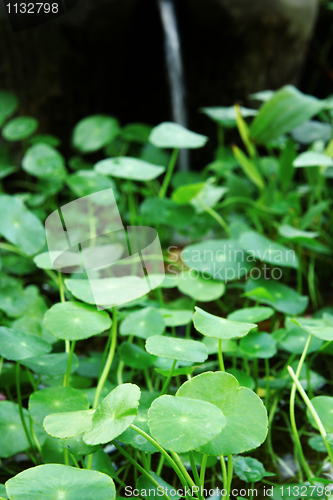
(1, 364)
(105, 373)
(169, 172)
(160, 465)
(20, 408)
(313, 412)
(267, 375)
(167, 380)
(61, 288)
(69, 365)
(220, 355)
(203, 470)
(224, 474)
(230, 471)
(138, 466)
(195, 473)
(297, 441)
(181, 466)
(216, 216)
(162, 451)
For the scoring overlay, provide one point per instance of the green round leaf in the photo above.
(56, 481)
(226, 116)
(19, 128)
(166, 211)
(321, 328)
(246, 416)
(52, 365)
(95, 132)
(13, 439)
(143, 323)
(243, 378)
(294, 341)
(149, 490)
(20, 226)
(56, 400)
(8, 105)
(313, 159)
(12, 298)
(44, 162)
(249, 469)
(176, 317)
(277, 295)
(48, 139)
(172, 135)
(68, 424)
(75, 321)
(130, 436)
(251, 314)
(134, 356)
(85, 182)
(113, 415)
(174, 348)
(199, 288)
(258, 345)
(266, 250)
(324, 407)
(181, 424)
(214, 326)
(223, 260)
(16, 345)
(136, 132)
(129, 168)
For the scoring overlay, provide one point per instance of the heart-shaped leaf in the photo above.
(220, 328)
(95, 132)
(56, 400)
(75, 321)
(181, 424)
(246, 416)
(199, 288)
(50, 481)
(113, 415)
(144, 323)
(172, 135)
(19, 128)
(251, 314)
(174, 348)
(129, 168)
(20, 226)
(16, 345)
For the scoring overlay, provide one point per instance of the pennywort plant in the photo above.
(223, 368)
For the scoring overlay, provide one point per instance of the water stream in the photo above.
(175, 70)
